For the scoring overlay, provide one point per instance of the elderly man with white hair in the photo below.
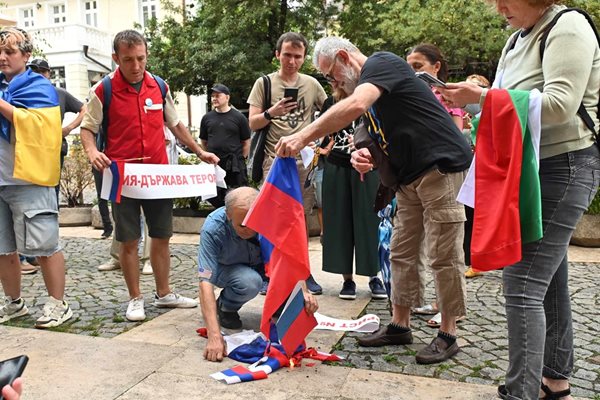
(427, 156)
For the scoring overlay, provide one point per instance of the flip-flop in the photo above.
(461, 318)
(435, 321)
(425, 310)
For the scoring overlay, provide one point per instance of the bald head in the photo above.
(237, 204)
(242, 197)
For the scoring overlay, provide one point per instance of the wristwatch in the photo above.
(267, 116)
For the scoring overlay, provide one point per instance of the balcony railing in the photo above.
(70, 38)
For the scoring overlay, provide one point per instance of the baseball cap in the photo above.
(220, 88)
(38, 63)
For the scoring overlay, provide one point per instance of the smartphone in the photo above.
(10, 370)
(430, 79)
(291, 92)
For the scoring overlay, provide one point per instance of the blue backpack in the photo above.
(107, 85)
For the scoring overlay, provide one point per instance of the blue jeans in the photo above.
(240, 283)
(538, 309)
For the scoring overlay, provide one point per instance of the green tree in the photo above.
(229, 41)
(470, 33)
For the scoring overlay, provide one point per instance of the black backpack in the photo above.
(583, 114)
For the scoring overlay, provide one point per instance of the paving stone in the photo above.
(586, 375)
(421, 370)
(99, 300)
(492, 373)
(479, 381)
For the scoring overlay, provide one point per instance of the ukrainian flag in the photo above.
(37, 128)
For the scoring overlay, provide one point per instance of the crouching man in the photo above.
(229, 258)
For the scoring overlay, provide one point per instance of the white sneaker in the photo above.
(12, 309)
(110, 266)
(54, 314)
(147, 269)
(135, 310)
(173, 300)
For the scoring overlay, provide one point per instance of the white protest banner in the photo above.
(367, 323)
(158, 181)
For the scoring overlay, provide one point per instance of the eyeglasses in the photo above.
(328, 77)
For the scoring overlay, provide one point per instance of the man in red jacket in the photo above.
(137, 115)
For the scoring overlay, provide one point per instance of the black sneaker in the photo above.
(312, 286)
(228, 319)
(264, 288)
(348, 291)
(106, 234)
(377, 289)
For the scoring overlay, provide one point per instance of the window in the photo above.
(58, 14)
(90, 10)
(57, 77)
(27, 20)
(148, 10)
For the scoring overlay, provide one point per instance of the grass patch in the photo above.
(390, 358)
(118, 318)
(339, 346)
(443, 367)
(477, 371)
(409, 352)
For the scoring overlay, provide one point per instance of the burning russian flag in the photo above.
(278, 216)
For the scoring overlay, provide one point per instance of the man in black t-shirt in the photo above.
(225, 132)
(428, 157)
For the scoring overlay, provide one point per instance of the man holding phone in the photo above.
(294, 99)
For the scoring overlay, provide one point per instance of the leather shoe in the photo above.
(383, 338)
(437, 351)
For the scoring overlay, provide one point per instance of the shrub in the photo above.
(76, 175)
(594, 208)
(192, 203)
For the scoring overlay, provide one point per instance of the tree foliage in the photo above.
(469, 32)
(229, 41)
(233, 41)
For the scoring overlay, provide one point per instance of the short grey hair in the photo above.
(241, 197)
(328, 46)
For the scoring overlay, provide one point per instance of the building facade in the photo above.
(76, 36)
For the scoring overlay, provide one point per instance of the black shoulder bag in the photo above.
(258, 140)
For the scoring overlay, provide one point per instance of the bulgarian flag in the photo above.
(503, 184)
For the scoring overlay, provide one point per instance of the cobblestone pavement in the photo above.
(483, 336)
(99, 301)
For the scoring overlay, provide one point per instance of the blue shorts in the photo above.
(28, 220)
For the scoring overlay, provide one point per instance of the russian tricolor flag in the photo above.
(278, 216)
(117, 168)
(294, 324)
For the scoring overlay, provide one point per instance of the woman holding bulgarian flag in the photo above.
(564, 76)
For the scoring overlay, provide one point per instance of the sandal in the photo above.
(550, 395)
(435, 321)
(425, 310)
